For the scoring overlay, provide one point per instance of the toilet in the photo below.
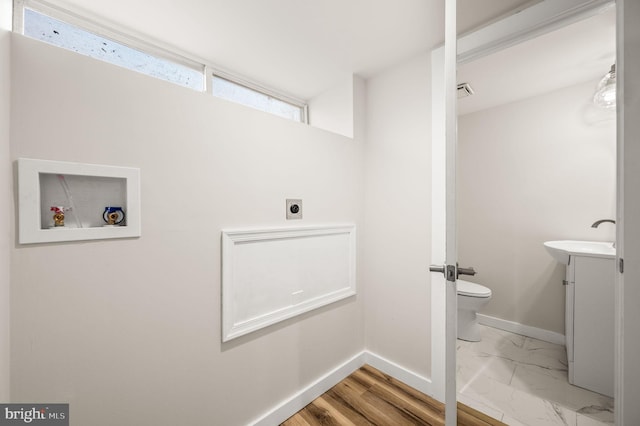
(471, 298)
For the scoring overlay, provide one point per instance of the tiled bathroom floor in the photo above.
(523, 381)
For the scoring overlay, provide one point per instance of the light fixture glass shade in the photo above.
(605, 96)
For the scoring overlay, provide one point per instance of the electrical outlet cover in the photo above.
(294, 208)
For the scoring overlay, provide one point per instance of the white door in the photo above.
(628, 221)
(536, 20)
(444, 249)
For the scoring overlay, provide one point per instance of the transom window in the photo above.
(230, 90)
(62, 34)
(50, 25)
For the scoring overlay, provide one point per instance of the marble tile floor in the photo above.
(523, 381)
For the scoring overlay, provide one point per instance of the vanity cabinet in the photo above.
(590, 322)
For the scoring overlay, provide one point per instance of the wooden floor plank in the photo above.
(401, 413)
(356, 418)
(327, 414)
(371, 413)
(358, 384)
(401, 388)
(412, 407)
(369, 397)
(473, 417)
(296, 420)
(343, 417)
(403, 391)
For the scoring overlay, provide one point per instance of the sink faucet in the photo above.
(598, 222)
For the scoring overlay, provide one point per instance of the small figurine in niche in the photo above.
(58, 215)
(113, 216)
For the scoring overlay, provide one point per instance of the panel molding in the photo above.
(250, 255)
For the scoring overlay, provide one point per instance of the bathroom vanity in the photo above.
(589, 321)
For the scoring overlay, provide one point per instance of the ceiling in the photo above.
(301, 47)
(578, 53)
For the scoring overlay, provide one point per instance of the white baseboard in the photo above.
(398, 372)
(301, 399)
(525, 330)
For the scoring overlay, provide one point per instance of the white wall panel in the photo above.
(397, 231)
(275, 274)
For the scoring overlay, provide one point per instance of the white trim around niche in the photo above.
(30, 196)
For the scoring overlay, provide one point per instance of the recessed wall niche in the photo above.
(62, 201)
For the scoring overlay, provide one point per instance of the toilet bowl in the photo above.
(471, 298)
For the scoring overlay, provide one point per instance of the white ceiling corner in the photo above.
(578, 53)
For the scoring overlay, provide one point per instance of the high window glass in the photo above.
(62, 34)
(226, 89)
(146, 59)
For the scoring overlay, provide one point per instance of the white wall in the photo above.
(333, 109)
(532, 171)
(398, 215)
(5, 192)
(128, 331)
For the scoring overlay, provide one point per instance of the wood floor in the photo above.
(369, 397)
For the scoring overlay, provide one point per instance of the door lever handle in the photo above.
(466, 271)
(450, 271)
(437, 268)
